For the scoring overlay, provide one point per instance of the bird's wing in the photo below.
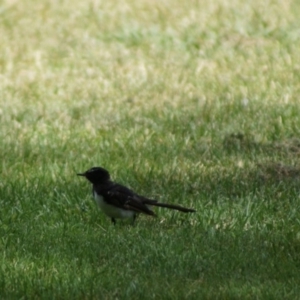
(121, 196)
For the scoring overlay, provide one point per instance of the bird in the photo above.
(119, 202)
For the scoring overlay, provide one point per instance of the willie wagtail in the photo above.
(118, 201)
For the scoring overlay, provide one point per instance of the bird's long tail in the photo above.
(173, 206)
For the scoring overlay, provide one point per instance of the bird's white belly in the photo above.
(112, 211)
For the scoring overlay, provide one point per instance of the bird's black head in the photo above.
(96, 175)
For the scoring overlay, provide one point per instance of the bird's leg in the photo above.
(133, 219)
(113, 221)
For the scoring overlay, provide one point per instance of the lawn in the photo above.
(190, 102)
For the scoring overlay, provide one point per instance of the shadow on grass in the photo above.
(246, 142)
(273, 167)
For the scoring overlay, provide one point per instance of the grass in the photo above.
(189, 102)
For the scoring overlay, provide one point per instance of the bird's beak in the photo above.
(81, 174)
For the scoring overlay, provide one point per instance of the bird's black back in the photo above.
(122, 197)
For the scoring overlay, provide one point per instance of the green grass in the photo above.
(190, 102)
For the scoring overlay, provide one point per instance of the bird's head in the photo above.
(96, 175)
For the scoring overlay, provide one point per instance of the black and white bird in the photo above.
(118, 201)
